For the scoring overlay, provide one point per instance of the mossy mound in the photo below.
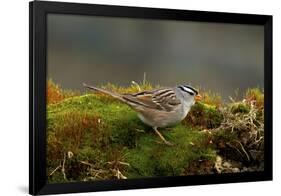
(106, 135)
(204, 115)
(239, 107)
(95, 137)
(152, 159)
(240, 135)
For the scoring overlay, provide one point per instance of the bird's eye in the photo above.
(190, 93)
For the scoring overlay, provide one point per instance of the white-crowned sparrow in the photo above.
(158, 108)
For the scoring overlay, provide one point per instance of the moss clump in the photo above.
(240, 135)
(239, 107)
(211, 98)
(204, 115)
(55, 94)
(255, 96)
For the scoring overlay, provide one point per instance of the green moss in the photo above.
(239, 107)
(255, 96)
(151, 159)
(204, 115)
(106, 135)
(105, 125)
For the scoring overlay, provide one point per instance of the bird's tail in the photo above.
(112, 94)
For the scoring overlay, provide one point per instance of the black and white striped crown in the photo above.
(188, 89)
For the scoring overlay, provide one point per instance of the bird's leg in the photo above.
(162, 137)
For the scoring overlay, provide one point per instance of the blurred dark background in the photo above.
(98, 50)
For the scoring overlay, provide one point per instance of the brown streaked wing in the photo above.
(161, 99)
(167, 99)
(142, 99)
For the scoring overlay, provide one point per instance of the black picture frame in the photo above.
(38, 11)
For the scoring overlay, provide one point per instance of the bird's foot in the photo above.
(162, 138)
(166, 143)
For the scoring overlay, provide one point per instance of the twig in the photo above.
(232, 146)
(124, 163)
(140, 130)
(94, 172)
(97, 174)
(63, 169)
(118, 174)
(118, 162)
(248, 157)
(55, 170)
(86, 163)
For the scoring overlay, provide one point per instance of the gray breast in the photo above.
(156, 118)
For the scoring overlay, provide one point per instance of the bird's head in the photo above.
(189, 93)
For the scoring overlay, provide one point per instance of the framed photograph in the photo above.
(131, 97)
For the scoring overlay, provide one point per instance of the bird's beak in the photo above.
(198, 97)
